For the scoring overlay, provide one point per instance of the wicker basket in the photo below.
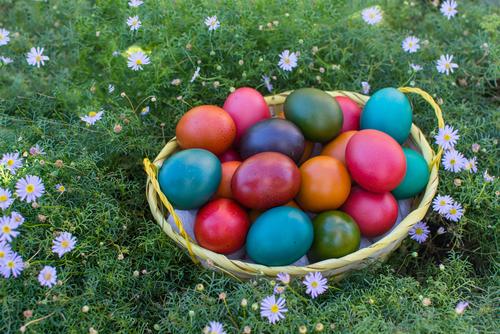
(379, 251)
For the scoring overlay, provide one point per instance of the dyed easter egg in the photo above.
(325, 184)
(416, 177)
(336, 234)
(273, 135)
(280, 236)
(308, 149)
(189, 178)
(389, 111)
(228, 170)
(266, 180)
(316, 114)
(375, 160)
(375, 213)
(221, 226)
(229, 155)
(336, 148)
(207, 127)
(247, 107)
(351, 112)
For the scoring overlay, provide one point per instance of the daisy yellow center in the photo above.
(213, 23)
(447, 66)
(30, 188)
(2, 37)
(453, 211)
(6, 229)
(10, 162)
(134, 22)
(92, 114)
(275, 308)
(3, 198)
(38, 58)
(61, 188)
(372, 15)
(138, 62)
(410, 44)
(286, 60)
(442, 202)
(2, 254)
(47, 276)
(65, 244)
(419, 231)
(11, 264)
(314, 284)
(447, 137)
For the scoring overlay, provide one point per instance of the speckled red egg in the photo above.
(375, 160)
(266, 180)
(351, 112)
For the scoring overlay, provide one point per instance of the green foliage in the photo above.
(105, 205)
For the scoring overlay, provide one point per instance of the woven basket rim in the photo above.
(380, 249)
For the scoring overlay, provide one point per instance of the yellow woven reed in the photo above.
(160, 207)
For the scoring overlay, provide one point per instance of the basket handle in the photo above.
(437, 111)
(152, 172)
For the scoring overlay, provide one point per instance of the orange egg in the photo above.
(207, 127)
(336, 148)
(292, 204)
(308, 148)
(325, 184)
(228, 169)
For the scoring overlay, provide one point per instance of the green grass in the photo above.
(105, 205)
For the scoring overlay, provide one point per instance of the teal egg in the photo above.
(416, 177)
(280, 236)
(189, 178)
(389, 111)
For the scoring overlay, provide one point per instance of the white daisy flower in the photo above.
(441, 204)
(145, 111)
(447, 137)
(416, 67)
(35, 57)
(6, 60)
(372, 15)
(12, 161)
(5, 250)
(12, 265)
(279, 289)
(215, 327)
(316, 284)
(449, 8)
(273, 309)
(410, 44)
(365, 87)
(288, 60)
(63, 244)
(441, 230)
(444, 64)
(137, 59)
(284, 278)
(135, 3)
(30, 188)
(17, 218)
(453, 161)
(267, 83)
(134, 23)
(111, 88)
(8, 229)
(116, 53)
(60, 188)
(196, 74)
(455, 212)
(5, 198)
(47, 276)
(4, 36)
(92, 117)
(212, 23)
(487, 177)
(471, 165)
(37, 150)
(419, 232)
(461, 306)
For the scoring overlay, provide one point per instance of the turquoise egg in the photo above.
(416, 177)
(190, 177)
(389, 111)
(280, 236)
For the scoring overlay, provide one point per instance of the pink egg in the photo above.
(351, 112)
(247, 107)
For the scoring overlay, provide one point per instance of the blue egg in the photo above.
(280, 236)
(189, 178)
(389, 111)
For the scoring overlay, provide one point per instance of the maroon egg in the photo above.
(266, 180)
(229, 155)
(375, 213)
(351, 112)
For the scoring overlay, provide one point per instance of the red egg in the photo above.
(375, 161)
(229, 155)
(266, 180)
(246, 106)
(221, 226)
(351, 112)
(375, 213)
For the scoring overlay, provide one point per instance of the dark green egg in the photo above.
(316, 113)
(416, 177)
(190, 177)
(336, 234)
